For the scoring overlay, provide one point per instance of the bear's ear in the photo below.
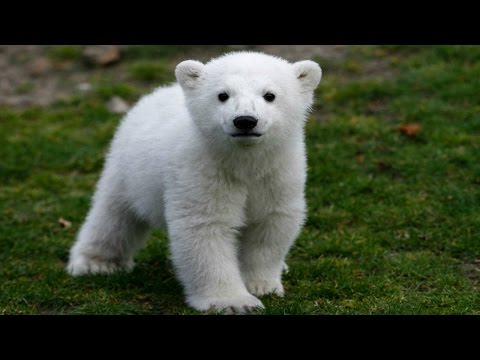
(309, 73)
(188, 72)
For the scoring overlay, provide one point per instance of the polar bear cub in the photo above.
(218, 160)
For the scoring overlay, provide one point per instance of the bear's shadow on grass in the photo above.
(152, 281)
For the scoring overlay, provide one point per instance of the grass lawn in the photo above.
(394, 216)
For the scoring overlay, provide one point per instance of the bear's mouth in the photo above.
(246, 135)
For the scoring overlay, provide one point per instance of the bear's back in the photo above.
(163, 105)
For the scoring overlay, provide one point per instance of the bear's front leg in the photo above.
(264, 246)
(203, 243)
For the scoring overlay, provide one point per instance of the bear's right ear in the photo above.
(188, 72)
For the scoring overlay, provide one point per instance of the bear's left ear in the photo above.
(188, 72)
(309, 73)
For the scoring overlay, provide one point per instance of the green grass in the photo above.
(393, 225)
(151, 70)
(25, 88)
(65, 52)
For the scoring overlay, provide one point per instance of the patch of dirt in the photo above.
(20, 84)
(472, 272)
(378, 69)
(30, 77)
(304, 52)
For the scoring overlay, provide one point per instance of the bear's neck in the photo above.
(245, 163)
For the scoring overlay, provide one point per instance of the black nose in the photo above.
(245, 122)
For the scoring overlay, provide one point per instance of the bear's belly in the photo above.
(148, 204)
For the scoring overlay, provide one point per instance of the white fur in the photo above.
(232, 206)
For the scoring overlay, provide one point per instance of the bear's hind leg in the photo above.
(107, 240)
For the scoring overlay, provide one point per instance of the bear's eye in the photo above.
(269, 97)
(223, 97)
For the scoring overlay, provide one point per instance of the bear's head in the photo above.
(249, 98)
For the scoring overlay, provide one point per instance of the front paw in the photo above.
(261, 287)
(233, 304)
